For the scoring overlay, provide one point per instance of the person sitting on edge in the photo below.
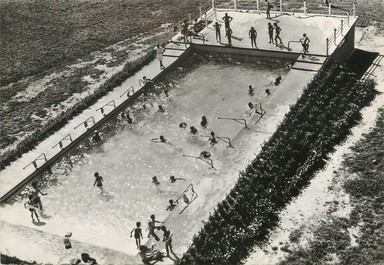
(204, 122)
(251, 90)
(172, 179)
(205, 154)
(138, 234)
(193, 130)
(161, 139)
(183, 125)
(171, 205)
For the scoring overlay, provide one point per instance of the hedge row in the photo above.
(321, 119)
(58, 122)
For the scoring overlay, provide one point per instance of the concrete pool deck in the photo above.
(289, 91)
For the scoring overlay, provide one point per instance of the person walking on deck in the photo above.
(277, 34)
(253, 34)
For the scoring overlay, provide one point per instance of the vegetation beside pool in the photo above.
(321, 119)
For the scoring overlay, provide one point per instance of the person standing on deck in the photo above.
(32, 206)
(277, 32)
(217, 27)
(137, 234)
(269, 6)
(185, 30)
(167, 238)
(229, 36)
(253, 34)
(305, 43)
(159, 55)
(227, 20)
(270, 32)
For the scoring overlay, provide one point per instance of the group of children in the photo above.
(138, 235)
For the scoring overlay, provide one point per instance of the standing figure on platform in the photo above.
(305, 43)
(269, 6)
(229, 36)
(185, 30)
(227, 20)
(167, 238)
(217, 27)
(159, 55)
(253, 34)
(277, 32)
(270, 32)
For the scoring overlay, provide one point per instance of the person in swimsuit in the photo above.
(32, 206)
(193, 130)
(98, 181)
(161, 139)
(171, 205)
(167, 238)
(137, 234)
(152, 226)
(227, 20)
(217, 27)
(204, 122)
(159, 54)
(253, 34)
(172, 179)
(35, 194)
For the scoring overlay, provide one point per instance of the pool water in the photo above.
(128, 160)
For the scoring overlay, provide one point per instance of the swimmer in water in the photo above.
(277, 81)
(193, 130)
(172, 179)
(183, 125)
(212, 139)
(155, 181)
(96, 137)
(161, 139)
(171, 205)
(251, 90)
(98, 181)
(204, 122)
(161, 109)
(268, 92)
(205, 154)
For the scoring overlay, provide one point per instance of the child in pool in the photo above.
(137, 234)
(98, 181)
(172, 179)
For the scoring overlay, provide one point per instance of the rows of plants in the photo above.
(322, 118)
(58, 122)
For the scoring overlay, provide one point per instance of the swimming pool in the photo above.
(128, 159)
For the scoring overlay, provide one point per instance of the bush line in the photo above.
(322, 118)
(55, 124)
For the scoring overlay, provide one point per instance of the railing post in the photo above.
(201, 13)
(235, 4)
(329, 9)
(281, 7)
(189, 18)
(257, 5)
(354, 9)
(305, 8)
(327, 48)
(334, 36)
(341, 27)
(206, 20)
